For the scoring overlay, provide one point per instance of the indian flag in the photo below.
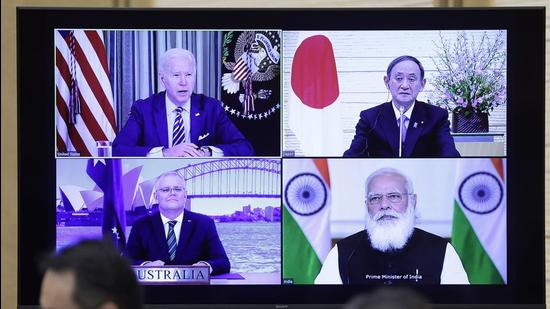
(306, 212)
(479, 222)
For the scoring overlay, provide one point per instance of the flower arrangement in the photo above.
(470, 74)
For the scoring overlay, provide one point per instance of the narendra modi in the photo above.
(391, 250)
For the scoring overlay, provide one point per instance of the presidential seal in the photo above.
(251, 74)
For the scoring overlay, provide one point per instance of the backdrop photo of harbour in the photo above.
(252, 247)
(101, 198)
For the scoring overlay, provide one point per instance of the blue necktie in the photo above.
(404, 128)
(172, 240)
(178, 135)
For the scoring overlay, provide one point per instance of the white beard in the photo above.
(393, 235)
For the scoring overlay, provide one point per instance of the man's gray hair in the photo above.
(175, 53)
(389, 171)
(164, 175)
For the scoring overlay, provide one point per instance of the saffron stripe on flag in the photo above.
(479, 222)
(499, 166)
(322, 166)
(306, 215)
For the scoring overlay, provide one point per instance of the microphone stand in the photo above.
(401, 110)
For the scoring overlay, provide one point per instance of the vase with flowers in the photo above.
(471, 79)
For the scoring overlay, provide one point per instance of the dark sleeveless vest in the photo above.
(419, 262)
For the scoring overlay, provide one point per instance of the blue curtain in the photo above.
(133, 56)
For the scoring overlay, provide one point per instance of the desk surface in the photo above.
(489, 144)
(251, 278)
(480, 149)
(478, 134)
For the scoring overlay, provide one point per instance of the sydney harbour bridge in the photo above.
(233, 178)
(221, 178)
(218, 178)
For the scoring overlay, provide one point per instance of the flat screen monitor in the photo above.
(279, 100)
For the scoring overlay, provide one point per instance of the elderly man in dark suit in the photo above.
(177, 122)
(175, 236)
(403, 127)
(391, 250)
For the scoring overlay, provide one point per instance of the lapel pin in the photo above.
(415, 125)
(197, 114)
(201, 137)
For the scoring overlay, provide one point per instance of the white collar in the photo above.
(171, 106)
(408, 113)
(165, 220)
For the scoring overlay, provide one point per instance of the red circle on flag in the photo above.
(314, 78)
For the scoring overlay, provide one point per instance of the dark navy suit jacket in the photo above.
(428, 133)
(198, 241)
(147, 128)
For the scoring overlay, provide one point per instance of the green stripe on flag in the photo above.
(476, 261)
(300, 262)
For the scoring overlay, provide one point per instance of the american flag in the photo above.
(84, 98)
(241, 70)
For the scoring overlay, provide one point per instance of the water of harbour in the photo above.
(252, 247)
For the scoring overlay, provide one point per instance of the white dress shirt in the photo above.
(177, 230)
(170, 119)
(452, 272)
(407, 113)
(177, 226)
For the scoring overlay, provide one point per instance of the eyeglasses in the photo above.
(168, 189)
(393, 197)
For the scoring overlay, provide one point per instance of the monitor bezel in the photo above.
(525, 144)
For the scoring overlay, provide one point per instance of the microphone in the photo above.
(356, 245)
(401, 110)
(366, 149)
(347, 265)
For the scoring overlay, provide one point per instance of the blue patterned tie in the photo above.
(404, 128)
(178, 135)
(172, 240)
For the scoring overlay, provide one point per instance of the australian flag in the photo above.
(108, 177)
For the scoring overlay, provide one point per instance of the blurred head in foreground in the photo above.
(89, 274)
(389, 298)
